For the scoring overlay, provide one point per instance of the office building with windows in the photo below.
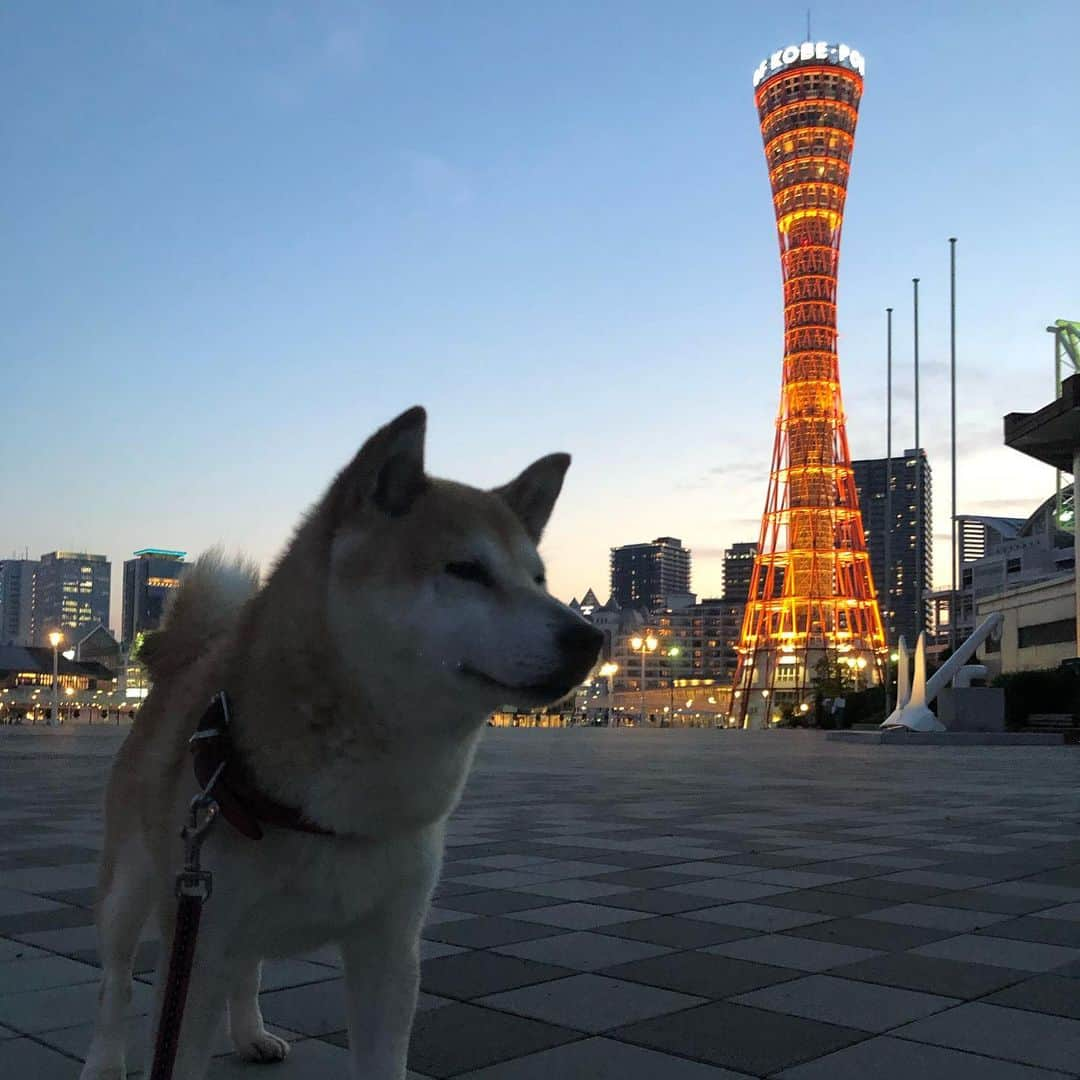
(910, 533)
(150, 578)
(71, 590)
(16, 601)
(644, 575)
(738, 569)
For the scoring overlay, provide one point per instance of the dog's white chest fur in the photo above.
(290, 893)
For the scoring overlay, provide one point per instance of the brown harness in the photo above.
(242, 804)
(226, 790)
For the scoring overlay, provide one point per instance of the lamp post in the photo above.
(55, 637)
(673, 651)
(642, 644)
(607, 670)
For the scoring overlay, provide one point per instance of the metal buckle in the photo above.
(202, 814)
(221, 701)
(197, 883)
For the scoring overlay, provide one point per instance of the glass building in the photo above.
(150, 578)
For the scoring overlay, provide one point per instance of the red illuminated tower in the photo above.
(811, 598)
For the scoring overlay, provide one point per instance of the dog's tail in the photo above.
(205, 606)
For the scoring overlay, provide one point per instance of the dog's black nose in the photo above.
(581, 640)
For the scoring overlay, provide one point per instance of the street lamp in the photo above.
(673, 651)
(55, 637)
(607, 670)
(642, 644)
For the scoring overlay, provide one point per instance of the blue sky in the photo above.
(240, 235)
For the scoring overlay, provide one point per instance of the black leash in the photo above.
(229, 793)
(193, 888)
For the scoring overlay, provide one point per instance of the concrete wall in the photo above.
(1024, 607)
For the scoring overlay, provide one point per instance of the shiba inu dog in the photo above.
(359, 677)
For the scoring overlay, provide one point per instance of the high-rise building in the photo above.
(149, 580)
(811, 592)
(17, 601)
(897, 583)
(738, 569)
(644, 575)
(71, 590)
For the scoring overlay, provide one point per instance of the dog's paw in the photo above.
(264, 1047)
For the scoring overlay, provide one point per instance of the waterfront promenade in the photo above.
(645, 905)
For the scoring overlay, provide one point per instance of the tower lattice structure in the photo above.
(811, 592)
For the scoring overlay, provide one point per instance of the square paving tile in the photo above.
(26, 1058)
(797, 879)
(495, 902)
(868, 934)
(471, 974)
(459, 1038)
(892, 891)
(701, 974)
(53, 918)
(642, 879)
(982, 900)
(18, 950)
(22, 976)
(588, 1002)
(730, 889)
(1030, 1038)
(956, 920)
(887, 1058)
(1044, 993)
(1070, 912)
(577, 916)
(602, 1059)
(484, 933)
(1035, 890)
(757, 916)
(1001, 952)
(854, 1004)
(583, 950)
(932, 975)
(61, 1006)
(741, 1038)
(822, 902)
(1035, 928)
(661, 901)
(17, 902)
(785, 950)
(315, 1009)
(307, 1060)
(676, 932)
(573, 889)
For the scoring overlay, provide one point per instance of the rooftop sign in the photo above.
(820, 51)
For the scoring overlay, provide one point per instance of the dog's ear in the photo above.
(532, 494)
(387, 472)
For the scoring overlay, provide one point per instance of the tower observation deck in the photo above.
(811, 593)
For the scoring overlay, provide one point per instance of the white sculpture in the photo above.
(912, 706)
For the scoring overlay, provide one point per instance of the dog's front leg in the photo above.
(249, 1035)
(382, 977)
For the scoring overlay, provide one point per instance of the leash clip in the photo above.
(202, 815)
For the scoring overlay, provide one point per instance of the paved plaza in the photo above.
(627, 904)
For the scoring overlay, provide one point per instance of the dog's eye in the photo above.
(471, 571)
(540, 579)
